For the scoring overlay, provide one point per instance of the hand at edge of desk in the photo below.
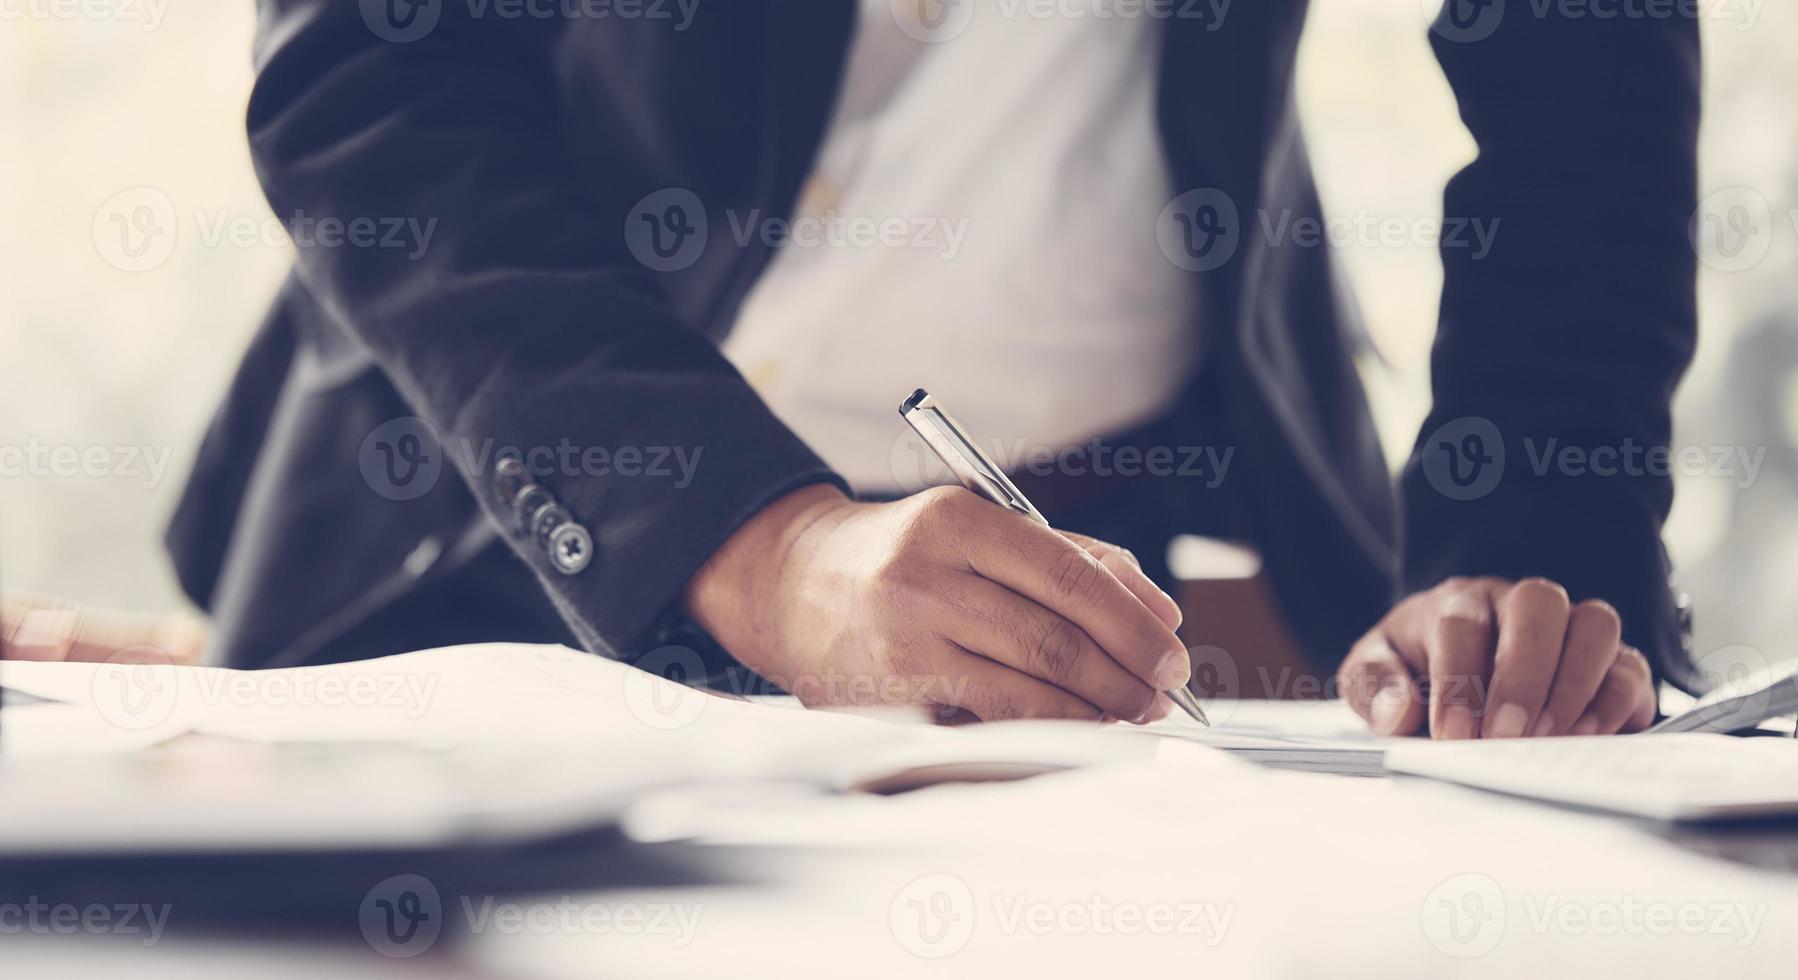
(941, 598)
(1492, 658)
(47, 628)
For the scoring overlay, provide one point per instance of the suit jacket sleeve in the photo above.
(525, 322)
(1573, 330)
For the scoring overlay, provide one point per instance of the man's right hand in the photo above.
(941, 598)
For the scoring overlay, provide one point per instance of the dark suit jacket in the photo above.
(528, 321)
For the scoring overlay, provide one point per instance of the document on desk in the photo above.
(488, 694)
(58, 731)
(1308, 736)
(517, 695)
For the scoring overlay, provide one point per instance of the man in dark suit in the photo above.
(661, 233)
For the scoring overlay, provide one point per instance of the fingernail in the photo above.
(1389, 708)
(1457, 723)
(1585, 726)
(1507, 722)
(1545, 726)
(1173, 671)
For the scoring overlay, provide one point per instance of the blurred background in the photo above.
(138, 256)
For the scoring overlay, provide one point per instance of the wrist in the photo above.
(733, 596)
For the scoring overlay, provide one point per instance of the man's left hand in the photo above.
(1491, 658)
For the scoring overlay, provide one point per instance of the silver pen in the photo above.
(957, 450)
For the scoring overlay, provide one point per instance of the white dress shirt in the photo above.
(981, 222)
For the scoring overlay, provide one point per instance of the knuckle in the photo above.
(905, 660)
(1597, 609)
(1121, 554)
(1057, 651)
(891, 578)
(939, 503)
(1465, 621)
(1541, 591)
(1599, 615)
(1074, 576)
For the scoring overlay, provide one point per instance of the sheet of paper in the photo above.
(1310, 736)
(1153, 869)
(53, 731)
(485, 694)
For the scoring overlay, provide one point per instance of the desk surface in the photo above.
(1207, 865)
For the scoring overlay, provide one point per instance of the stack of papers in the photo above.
(1308, 736)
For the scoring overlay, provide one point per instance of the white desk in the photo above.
(1199, 864)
